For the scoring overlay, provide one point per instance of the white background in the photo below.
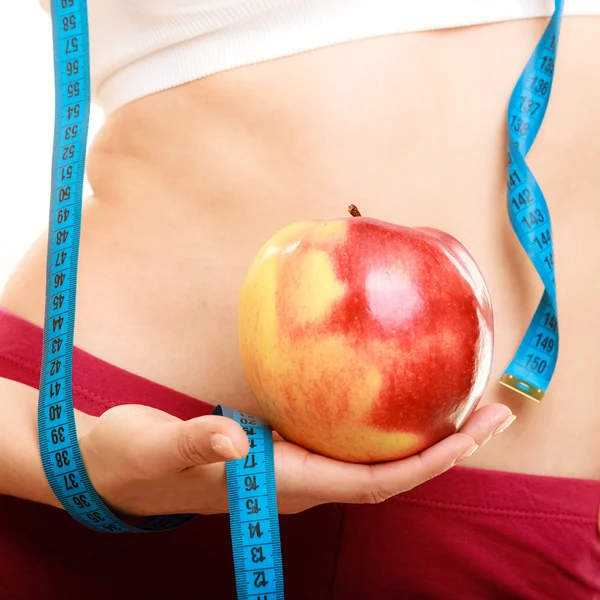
(26, 127)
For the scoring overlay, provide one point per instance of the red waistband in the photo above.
(97, 385)
(515, 496)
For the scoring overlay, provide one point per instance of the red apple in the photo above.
(363, 340)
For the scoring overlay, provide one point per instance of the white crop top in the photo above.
(143, 46)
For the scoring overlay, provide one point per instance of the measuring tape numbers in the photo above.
(251, 480)
(253, 514)
(532, 367)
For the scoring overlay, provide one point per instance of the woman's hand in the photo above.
(143, 462)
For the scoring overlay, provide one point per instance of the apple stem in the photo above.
(354, 211)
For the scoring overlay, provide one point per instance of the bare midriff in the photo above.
(190, 182)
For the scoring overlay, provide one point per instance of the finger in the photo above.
(389, 479)
(393, 478)
(487, 420)
(134, 442)
(203, 441)
(328, 480)
(332, 481)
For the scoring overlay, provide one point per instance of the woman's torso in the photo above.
(189, 183)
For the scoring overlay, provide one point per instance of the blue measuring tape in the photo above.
(532, 367)
(253, 513)
(251, 480)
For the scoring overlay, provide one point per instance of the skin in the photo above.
(365, 341)
(411, 128)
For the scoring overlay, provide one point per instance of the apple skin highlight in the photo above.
(363, 340)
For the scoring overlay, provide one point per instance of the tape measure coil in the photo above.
(59, 446)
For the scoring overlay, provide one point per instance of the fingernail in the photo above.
(467, 453)
(504, 425)
(223, 445)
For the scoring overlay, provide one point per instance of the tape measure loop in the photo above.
(251, 481)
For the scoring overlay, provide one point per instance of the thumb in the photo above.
(204, 440)
(139, 441)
